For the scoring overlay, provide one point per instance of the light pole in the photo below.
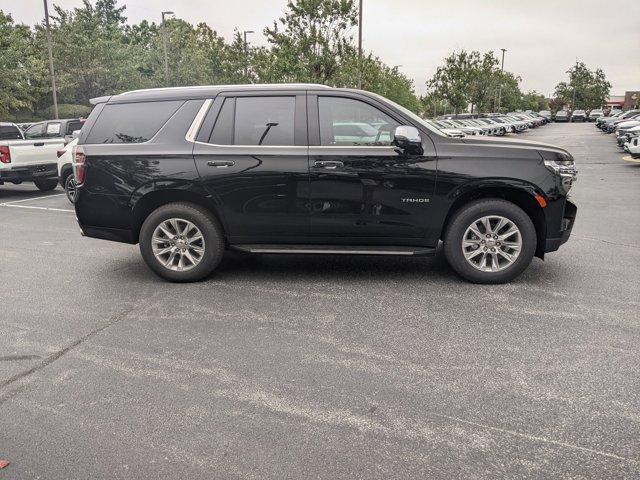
(360, 45)
(51, 69)
(164, 47)
(246, 53)
(500, 86)
(573, 84)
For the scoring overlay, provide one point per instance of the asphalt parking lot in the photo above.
(324, 367)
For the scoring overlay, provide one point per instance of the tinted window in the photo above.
(72, 126)
(9, 132)
(264, 121)
(222, 133)
(344, 121)
(131, 122)
(35, 131)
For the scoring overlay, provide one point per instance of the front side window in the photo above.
(349, 122)
(131, 122)
(35, 131)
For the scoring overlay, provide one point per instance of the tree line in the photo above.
(96, 52)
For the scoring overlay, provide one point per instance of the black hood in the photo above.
(546, 151)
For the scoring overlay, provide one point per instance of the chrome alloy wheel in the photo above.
(70, 188)
(178, 244)
(492, 243)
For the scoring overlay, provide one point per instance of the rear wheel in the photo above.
(181, 242)
(490, 241)
(46, 184)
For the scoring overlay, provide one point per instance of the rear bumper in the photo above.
(561, 236)
(29, 173)
(113, 234)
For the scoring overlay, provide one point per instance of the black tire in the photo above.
(46, 184)
(204, 221)
(70, 187)
(480, 208)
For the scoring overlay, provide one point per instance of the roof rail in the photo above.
(249, 85)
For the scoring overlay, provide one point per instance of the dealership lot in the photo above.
(324, 367)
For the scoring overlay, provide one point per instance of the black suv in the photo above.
(188, 172)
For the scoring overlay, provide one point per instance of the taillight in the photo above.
(79, 163)
(60, 152)
(5, 154)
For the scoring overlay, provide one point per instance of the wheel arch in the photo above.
(522, 196)
(146, 203)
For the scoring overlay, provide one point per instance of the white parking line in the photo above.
(37, 208)
(34, 198)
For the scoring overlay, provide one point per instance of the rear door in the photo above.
(251, 153)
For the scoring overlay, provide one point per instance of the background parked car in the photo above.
(63, 128)
(562, 116)
(595, 114)
(65, 169)
(546, 114)
(579, 116)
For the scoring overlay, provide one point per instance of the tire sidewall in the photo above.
(481, 208)
(46, 184)
(211, 231)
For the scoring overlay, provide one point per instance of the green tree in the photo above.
(535, 101)
(309, 43)
(24, 72)
(453, 81)
(589, 88)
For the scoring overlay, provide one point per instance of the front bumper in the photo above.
(28, 173)
(561, 235)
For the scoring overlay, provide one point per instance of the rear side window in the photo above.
(73, 126)
(268, 120)
(131, 122)
(9, 132)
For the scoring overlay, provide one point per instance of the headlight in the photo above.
(565, 170)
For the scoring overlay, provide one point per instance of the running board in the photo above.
(336, 249)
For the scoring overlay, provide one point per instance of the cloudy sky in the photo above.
(542, 37)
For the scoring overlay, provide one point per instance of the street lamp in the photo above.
(164, 47)
(246, 53)
(51, 69)
(500, 86)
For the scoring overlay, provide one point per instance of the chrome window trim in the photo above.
(197, 121)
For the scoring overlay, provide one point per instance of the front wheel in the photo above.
(181, 242)
(490, 241)
(46, 184)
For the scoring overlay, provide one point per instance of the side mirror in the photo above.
(75, 134)
(407, 140)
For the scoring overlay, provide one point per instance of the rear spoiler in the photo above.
(97, 100)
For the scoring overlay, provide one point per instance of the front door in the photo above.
(360, 185)
(251, 154)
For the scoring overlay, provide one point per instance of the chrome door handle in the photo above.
(38, 144)
(221, 163)
(328, 164)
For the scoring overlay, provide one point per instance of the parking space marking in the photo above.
(629, 158)
(37, 208)
(34, 198)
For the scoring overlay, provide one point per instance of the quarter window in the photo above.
(349, 122)
(131, 122)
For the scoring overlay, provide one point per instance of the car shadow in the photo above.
(24, 191)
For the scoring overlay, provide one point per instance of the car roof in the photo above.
(7, 124)
(204, 91)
